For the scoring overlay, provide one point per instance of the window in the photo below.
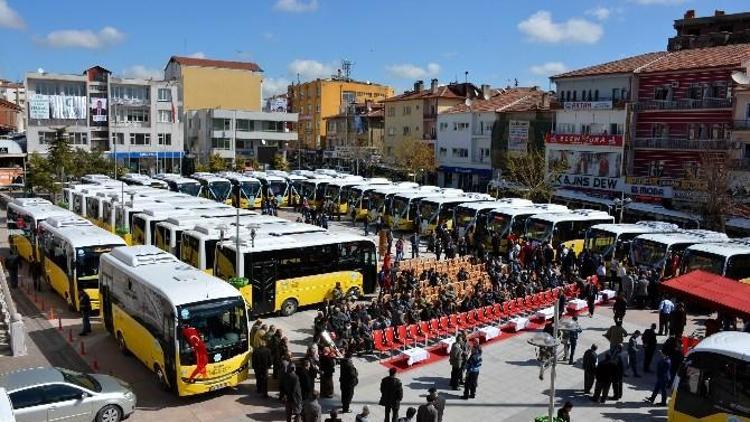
(443, 151)
(243, 125)
(164, 116)
(165, 94)
(56, 393)
(79, 138)
(26, 398)
(615, 94)
(596, 95)
(221, 143)
(222, 124)
(695, 92)
(575, 95)
(407, 110)
(659, 130)
(460, 152)
(583, 95)
(407, 130)
(661, 93)
(391, 111)
(444, 125)
(140, 139)
(118, 138)
(391, 131)
(448, 179)
(165, 139)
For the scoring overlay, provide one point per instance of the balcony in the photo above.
(682, 144)
(683, 104)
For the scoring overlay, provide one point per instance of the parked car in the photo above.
(51, 394)
(6, 410)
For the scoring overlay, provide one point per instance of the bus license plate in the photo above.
(218, 386)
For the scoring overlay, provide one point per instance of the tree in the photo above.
(532, 174)
(216, 163)
(415, 156)
(60, 153)
(279, 162)
(41, 175)
(711, 179)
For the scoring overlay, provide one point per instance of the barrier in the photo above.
(12, 318)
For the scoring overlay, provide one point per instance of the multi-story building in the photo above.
(216, 84)
(135, 120)
(240, 134)
(465, 133)
(741, 127)
(413, 114)
(317, 100)
(356, 134)
(15, 93)
(9, 113)
(710, 31)
(591, 121)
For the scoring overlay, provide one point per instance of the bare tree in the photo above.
(532, 175)
(415, 156)
(712, 181)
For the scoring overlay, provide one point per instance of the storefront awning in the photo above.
(711, 290)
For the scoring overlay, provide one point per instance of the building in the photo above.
(591, 120)
(317, 100)
(741, 126)
(9, 113)
(413, 114)
(216, 84)
(710, 31)
(240, 134)
(136, 120)
(466, 133)
(356, 134)
(15, 93)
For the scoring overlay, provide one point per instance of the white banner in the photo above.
(518, 135)
(39, 107)
(67, 107)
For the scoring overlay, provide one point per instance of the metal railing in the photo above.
(683, 104)
(678, 143)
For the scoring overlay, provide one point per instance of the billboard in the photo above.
(277, 104)
(585, 163)
(98, 110)
(578, 139)
(518, 135)
(587, 105)
(67, 107)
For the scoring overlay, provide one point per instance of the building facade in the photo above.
(135, 120)
(15, 93)
(240, 134)
(356, 134)
(710, 31)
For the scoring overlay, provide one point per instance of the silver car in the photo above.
(57, 394)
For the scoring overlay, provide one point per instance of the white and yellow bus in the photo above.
(382, 197)
(249, 190)
(71, 247)
(169, 232)
(435, 211)
(639, 211)
(336, 194)
(359, 198)
(143, 229)
(188, 327)
(23, 219)
(405, 207)
(713, 382)
(314, 190)
(135, 179)
(509, 221)
(608, 241)
(653, 251)
(183, 185)
(214, 188)
(293, 270)
(275, 187)
(729, 259)
(566, 228)
(467, 217)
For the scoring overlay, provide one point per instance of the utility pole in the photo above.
(554, 362)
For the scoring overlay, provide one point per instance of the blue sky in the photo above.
(390, 41)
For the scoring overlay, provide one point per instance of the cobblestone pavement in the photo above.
(509, 388)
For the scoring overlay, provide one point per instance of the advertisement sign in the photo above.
(39, 107)
(277, 104)
(648, 190)
(588, 182)
(588, 105)
(67, 107)
(98, 109)
(585, 163)
(578, 139)
(518, 135)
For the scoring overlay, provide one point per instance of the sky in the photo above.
(394, 42)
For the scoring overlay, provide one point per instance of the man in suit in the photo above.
(438, 402)
(311, 410)
(261, 364)
(348, 379)
(590, 361)
(391, 394)
(649, 347)
(427, 412)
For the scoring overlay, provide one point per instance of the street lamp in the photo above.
(620, 205)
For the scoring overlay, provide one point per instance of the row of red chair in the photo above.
(404, 336)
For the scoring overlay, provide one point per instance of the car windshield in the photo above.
(648, 252)
(87, 264)
(600, 241)
(220, 190)
(82, 380)
(222, 325)
(538, 230)
(249, 189)
(191, 189)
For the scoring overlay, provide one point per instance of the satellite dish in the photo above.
(40, 70)
(467, 102)
(740, 77)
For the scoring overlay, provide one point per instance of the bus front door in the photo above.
(263, 278)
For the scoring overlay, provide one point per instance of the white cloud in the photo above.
(82, 38)
(659, 2)
(540, 27)
(140, 71)
(273, 86)
(549, 69)
(198, 55)
(9, 18)
(600, 13)
(296, 6)
(310, 69)
(410, 71)
(267, 35)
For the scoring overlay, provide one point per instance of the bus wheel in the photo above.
(161, 378)
(121, 344)
(288, 307)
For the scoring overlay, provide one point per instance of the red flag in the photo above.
(193, 338)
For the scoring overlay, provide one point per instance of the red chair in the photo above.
(444, 325)
(520, 306)
(424, 326)
(435, 327)
(497, 311)
(472, 318)
(413, 332)
(462, 323)
(378, 342)
(509, 309)
(455, 324)
(403, 337)
(390, 338)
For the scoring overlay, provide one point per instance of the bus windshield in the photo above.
(87, 263)
(377, 200)
(600, 241)
(191, 189)
(220, 190)
(446, 212)
(307, 190)
(332, 192)
(538, 230)
(277, 187)
(400, 205)
(648, 252)
(738, 267)
(428, 210)
(464, 216)
(498, 223)
(249, 189)
(222, 325)
(699, 260)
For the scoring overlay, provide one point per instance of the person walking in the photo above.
(591, 293)
(327, 369)
(391, 394)
(366, 225)
(605, 373)
(573, 333)
(438, 401)
(663, 370)
(615, 334)
(456, 361)
(590, 361)
(12, 264)
(292, 394)
(619, 308)
(633, 353)
(311, 410)
(414, 245)
(36, 274)
(649, 347)
(666, 307)
(472, 372)
(348, 379)
(262, 362)
(427, 411)
(84, 304)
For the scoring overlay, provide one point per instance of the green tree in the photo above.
(279, 162)
(41, 175)
(60, 154)
(415, 156)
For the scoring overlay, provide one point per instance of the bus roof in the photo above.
(685, 236)
(659, 210)
(513, 202)
(30, 202)
(731, 247)
(272, 242)
(43, 212)
(80, 232)
(641, 227)
(349, 181)
(387, 189)
(459, 199)
(237, 177)
(532, 210)
(208, 178)
(580, 196)
(175, 280)
(734, 344)
(573, 215)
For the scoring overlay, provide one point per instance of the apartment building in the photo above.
(357, 133)
(14, 93)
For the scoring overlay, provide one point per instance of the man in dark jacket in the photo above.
(84, 304)
(663, 370)
(590, 361)
(327, 369)
(679, 320)
(427, 412)
(348, 379)
(620, 307)
(262, 362)
(12, 264)
(438, 402)
(292, 394)
(311, 410)
(605, 373)
(457, 362)
(391, 394)
(306, 379)
(472, 372)
(619, 373)
(649, 347)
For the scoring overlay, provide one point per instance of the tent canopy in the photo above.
(711, 290)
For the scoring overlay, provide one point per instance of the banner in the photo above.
(587, 105)
(597, 140)
(39, 107)
(585, 163)
(588, 182)
(67, 107)
(648, 190)
(98, 109)
(518, 135)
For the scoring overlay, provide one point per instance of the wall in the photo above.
(394, 124)
(208, 87)
(604, 84)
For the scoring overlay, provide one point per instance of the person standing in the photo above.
(663, 370)
(391, 394)
(649, 347)
(306, 379)
(84, 303)
(573, 333)
(327, 369)
(311, 410)
(472, 372)
(399, 249)
(11, 264)
(666, 307)
(633, 353)
(36, 274)
(618, 373)
(438, 401)
(591, 293)
(678, 320)
(456, 360)
(619, 308)
(366, 225)
(642, 291)
(590, 361)
(262, 362)
(427, 411)
(615, 334)
(348, 379)
(605, 372)
(414, 245)
(292, 394)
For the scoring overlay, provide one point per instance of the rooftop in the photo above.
(504, 100)
(452, 90)
(226, 64)
(626, 65)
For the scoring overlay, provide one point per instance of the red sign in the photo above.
(598, 140)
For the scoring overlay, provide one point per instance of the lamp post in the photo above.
(620, 204)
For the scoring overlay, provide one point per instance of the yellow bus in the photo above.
(359, 198)
(467, 217)
(183, 185)
(214, 188)
(607, 241)
(654, 251)
(23, 218)
(293, 270)
(295, 184)
(566, 228)
(336, 193)
(382, 196)
(405, 207)
(169, 232)
(187, 327)
(729, 259)
(274, 187)
(434, 211)
(511, 221)
(249, 189)
(71, 247)
(314, 190)
(713, 382)
(143, 224)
